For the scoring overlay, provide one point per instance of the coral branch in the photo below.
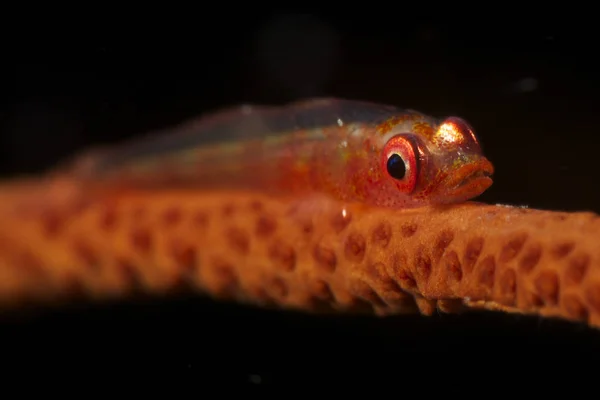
(252, 248)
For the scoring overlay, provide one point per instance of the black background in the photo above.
(527, 80)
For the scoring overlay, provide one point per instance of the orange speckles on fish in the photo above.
(392, 122)
(423, 128)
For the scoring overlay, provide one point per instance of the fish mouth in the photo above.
(470, 180)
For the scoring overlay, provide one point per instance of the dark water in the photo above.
(527, 83)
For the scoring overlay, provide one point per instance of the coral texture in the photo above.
(57, 242)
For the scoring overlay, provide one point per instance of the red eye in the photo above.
(400, 163)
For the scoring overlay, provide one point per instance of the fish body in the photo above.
(352, 151)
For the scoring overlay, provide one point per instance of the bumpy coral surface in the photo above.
(58, 242)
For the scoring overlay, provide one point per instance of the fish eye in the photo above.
(396, 167)
(400, 163)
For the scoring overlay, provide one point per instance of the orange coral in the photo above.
(254, 248)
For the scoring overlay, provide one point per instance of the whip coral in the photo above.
(57, 242)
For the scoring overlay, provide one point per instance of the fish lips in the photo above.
(469, 180)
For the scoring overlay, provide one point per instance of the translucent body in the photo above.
(330, 147)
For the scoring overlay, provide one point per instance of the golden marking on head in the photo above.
(449, 133)
(423, 128)
(396, 120)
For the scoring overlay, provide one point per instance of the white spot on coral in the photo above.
(510, 206)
